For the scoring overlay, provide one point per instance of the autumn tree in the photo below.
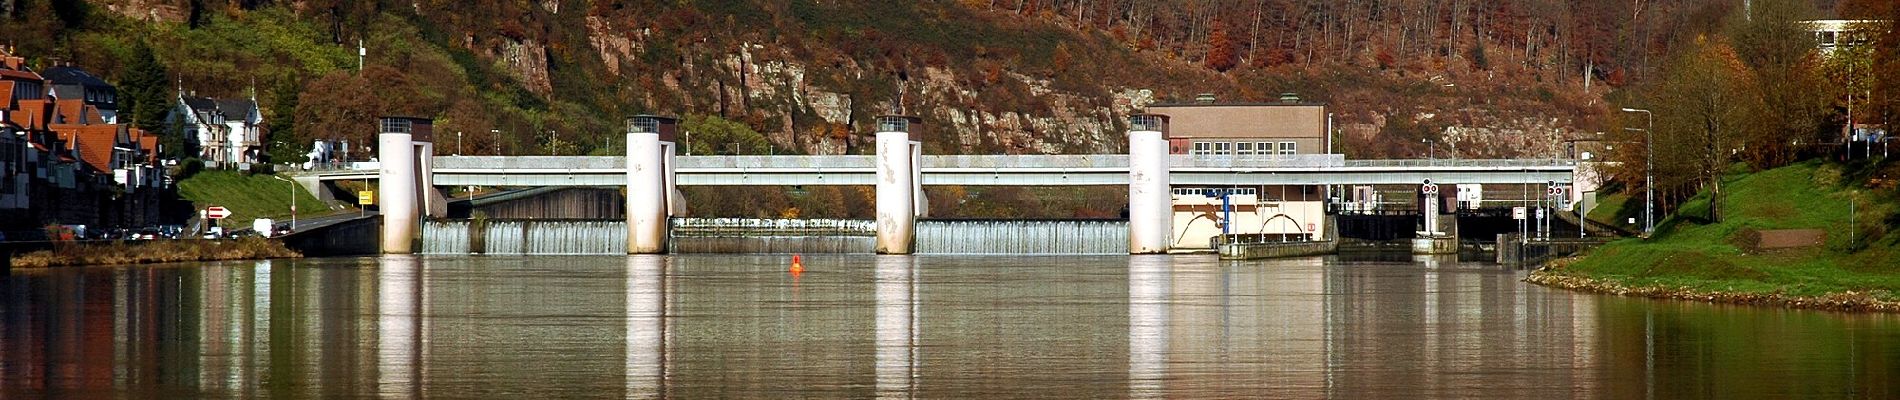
(1780, 54)
(338, 106)
(1221, 52)
(1704, 104)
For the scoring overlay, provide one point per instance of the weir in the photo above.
(773, 236)
(1152, 168)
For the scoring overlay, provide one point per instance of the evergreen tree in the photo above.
(145, 94)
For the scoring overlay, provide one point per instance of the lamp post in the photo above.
(458, 143)
(293, 203)
(1431, 152)
(1649, 174)
(496, 134)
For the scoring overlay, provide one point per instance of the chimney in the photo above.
(1204, 98)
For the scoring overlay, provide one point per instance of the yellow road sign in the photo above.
(366, 197)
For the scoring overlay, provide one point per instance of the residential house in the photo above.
(84, 93)
(219, 131)
(64, 160)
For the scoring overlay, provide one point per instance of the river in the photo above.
(700, 326)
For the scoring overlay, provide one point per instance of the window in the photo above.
(1203, 148)
(1245, 149)
(1289, 147)
(1223, 148)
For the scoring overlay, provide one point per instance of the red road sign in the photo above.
(216, 212)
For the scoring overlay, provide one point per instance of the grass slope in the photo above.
(1690, 255)
(248, 196)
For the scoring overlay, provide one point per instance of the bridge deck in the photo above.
(984, 170)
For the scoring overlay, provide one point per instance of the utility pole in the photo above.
(1649, 171)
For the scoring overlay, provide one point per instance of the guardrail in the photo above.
(1058, 161)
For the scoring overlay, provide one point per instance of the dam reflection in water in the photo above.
(899, 326)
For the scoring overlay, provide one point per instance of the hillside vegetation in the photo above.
(1861, 253)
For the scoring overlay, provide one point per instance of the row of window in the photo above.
(1244, 148)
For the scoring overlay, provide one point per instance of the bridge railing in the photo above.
(1256, 160)
(778, 162)
(530, 162)
(1463, 163)
(1036, 161)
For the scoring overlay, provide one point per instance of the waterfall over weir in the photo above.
(1022, 237)
(743, 235)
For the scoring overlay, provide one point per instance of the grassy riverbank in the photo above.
(154, 251)
(248, 196)
(1856, 268)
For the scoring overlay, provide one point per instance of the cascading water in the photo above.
(751, 235)
(445, 237)
(1022, 237)
(745, 235)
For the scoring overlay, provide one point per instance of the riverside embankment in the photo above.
(1851, 261)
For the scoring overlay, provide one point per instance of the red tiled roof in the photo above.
(72, 111)
(18, 74)
(6, 95)
(150, 144)
(94, 142)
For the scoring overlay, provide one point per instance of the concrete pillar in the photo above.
(896, 186)
(434, 204)
(1150, 202)
(675, 201)
(647, 188)
(920, 204)
(396, 189)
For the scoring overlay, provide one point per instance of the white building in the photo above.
(219, 130)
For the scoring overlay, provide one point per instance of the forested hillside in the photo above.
(1490, 78)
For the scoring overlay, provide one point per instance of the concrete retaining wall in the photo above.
(357, 237)
(1253, 251)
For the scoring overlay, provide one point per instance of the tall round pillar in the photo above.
(1150, 202)
(896, 186)
(396, 187)
(646, 186)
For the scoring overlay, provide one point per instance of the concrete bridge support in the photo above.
(397, 186)
(648, 188)
(898, 184)
(1150, 202)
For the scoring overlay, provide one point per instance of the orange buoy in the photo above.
(798, 267)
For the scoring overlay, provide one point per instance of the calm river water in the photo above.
(699, 326)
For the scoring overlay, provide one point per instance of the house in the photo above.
(219, 131)
(84, 94)
(1206, 132)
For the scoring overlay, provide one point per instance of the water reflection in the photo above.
(896, 326)
(900, 326)
(646, 326)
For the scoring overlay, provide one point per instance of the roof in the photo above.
(148, 143)
(64, 75)
(76, 111)
(94, 143)
(238, 109)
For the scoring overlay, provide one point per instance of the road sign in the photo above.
(216, 212)
(365, 197)
(1517, 213)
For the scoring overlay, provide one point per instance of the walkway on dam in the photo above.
(981, 170)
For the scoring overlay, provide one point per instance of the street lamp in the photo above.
(1431, 152)
(496, 134)
(1649, 174)
(458, 143)
(293, 203)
